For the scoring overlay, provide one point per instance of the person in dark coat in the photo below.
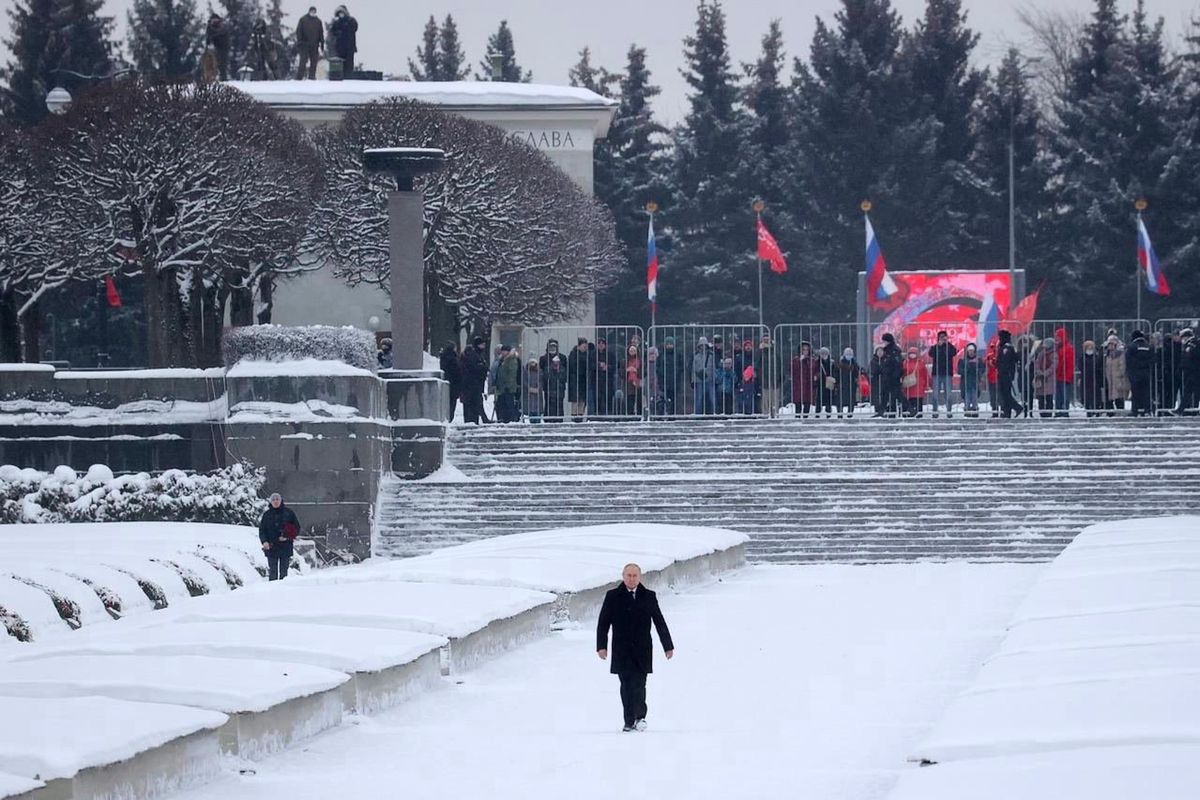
(384, 356)
(1189, 374)
(892, 369)
(607, 378)
(553, 366)
(1008, 361)
(216, 37)
(1091, 379)
(262, 51)
(847, 375)
(310, 41)
(474, 368)
(579, 378)
(673, 378)
(1166, 371)
(875, 375)
(628, 610)
(344, 32)
(452, 372)
(277, 530)
(942, 356)
(826, 382)
(1139, 366)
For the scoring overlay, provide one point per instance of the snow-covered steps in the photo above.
(860, 490)
(252, 672)
(1093, 691)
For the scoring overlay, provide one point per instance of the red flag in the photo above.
(110, 289)
(1021, 318)
(768, 250)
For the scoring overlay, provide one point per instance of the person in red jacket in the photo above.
(1064, 388)
(993, 375)
(914, 382)
(804, 379)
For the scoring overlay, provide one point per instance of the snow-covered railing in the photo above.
(1094, 690)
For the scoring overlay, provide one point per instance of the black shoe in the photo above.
(627, 729)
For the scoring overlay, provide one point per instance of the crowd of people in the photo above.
(263, 56)
(1019, 376)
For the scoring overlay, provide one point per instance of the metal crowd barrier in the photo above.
(1176, 365)
(583, 372)
(714, 370)
(1065, 367)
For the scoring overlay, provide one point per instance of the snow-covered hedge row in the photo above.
(228, 496)
(280, 343)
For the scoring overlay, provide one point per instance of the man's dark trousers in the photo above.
(277, 569)
(633, 696)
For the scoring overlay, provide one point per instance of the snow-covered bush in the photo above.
(228, 496)
(281, 343)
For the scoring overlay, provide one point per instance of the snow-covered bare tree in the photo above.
(509, 237)
(197, 189)
(33, 258)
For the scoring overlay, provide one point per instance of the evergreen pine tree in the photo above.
(46, 36)
(765, 170)
(428, 65)
(166, 38)
(1114, 143)
(1009, 113)
(510, 71)
(450, 53)
(1181, 186)
(853, 136)
(711, 220)
(942, 87)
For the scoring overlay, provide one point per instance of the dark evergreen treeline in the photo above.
(902, 115)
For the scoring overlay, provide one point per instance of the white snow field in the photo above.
(786, 682)
(1095, 691)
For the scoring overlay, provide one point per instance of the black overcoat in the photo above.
(629, 616)
(270, 529)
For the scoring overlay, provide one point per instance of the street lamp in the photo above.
(58, 100)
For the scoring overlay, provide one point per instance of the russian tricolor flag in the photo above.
(1148, 262)
(651, 265)
(989, 322)
(880, 286)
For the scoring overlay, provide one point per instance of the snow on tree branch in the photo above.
(508, 235)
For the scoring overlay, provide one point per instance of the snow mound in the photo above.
(1097, 680)
(49, 738)
(217, 684)
(556, 560)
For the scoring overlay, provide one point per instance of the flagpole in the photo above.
(1139, 204)
(651, 208)
(758, 207)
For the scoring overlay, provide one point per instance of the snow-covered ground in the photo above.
(1096, 680)
(787, 682)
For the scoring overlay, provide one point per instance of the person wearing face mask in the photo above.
(804, 379)
(847, 374)
(1116, 380)
(826, 382)
(1091, 379)
(310, 41)
(876, 381)
(915, 381)
(553, 367)
(344, 32)
(971, 370)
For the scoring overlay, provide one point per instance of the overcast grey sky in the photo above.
(549, 35)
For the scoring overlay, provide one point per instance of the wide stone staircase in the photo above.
(862, 490)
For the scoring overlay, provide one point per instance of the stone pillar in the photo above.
(406, 243)
(405, 216)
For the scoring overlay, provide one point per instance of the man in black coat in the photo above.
(1139, 366)
(452, 372)
(310, 40)
(474, 378)
(891, 367)
(216, 36)
(628, 609)
(277, 531)
(1007, 361)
